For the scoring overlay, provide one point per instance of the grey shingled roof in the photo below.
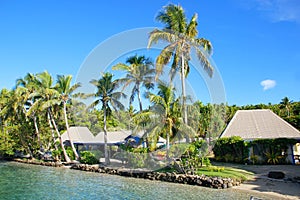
(112, 137)
(259, 124)
(79, 135)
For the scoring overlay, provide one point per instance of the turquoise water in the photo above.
(22, 181)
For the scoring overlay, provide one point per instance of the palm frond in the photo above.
(159, 35)
(191, 30)
(205, 62)
(164, 58)
(121, 66)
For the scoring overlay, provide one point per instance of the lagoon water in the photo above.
(23, 181)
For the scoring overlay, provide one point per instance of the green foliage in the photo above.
(6, 144)
(273, 158)
(225, 172)
(88, 157)
(215, 169)
(254, 159)
(272, 151)
(265, 151)
(57, 154)
(195, 156)
(231, 149)
(70, 153)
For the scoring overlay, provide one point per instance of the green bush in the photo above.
(87, 157)
(231, 149)
(70, 153)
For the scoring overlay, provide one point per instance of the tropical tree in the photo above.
(6, 140)
(66, 90)
(107, 96)
(15, 112)
(166, 115)
(29, 82)
(139, 72)
(181, 36)
(287, 104)
(48, 98)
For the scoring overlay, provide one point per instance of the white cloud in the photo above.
(277, 10)
(268, 84)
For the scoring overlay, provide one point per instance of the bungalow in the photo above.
(78, 135)
(263, 124)
(83, 139)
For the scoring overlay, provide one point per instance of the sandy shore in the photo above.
(287, 188)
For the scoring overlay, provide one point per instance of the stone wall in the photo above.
(212, 182)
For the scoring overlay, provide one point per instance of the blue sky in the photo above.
(256, 42)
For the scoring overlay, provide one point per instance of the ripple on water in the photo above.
(22, 181)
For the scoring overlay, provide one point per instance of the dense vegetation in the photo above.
(260, 151)
(35, 113)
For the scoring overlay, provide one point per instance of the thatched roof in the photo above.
(259, 124)
(79, 135)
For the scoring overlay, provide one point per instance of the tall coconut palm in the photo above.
(29, 82)
(48, 98)
(66, 91)
(139, 72)
(181, 36)
(107, 96)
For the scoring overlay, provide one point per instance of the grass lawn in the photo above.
(220, 171)
(225, 172)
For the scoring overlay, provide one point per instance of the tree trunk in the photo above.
(183, 91)
(140, 100)
(67, 158)
(37, 132)
(168, 141)
(67, 126)
(141, 110)
(52, 131)
(105, 136)
(185, 120)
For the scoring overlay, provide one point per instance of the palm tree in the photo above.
(15, 110)
(29, 82)
(139, 72)
(286, 103)
(106, 95)
(48, 98)
(167, 111)
(66, 90)
(181, 36)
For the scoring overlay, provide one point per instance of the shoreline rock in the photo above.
(198, 180)
(205, 181)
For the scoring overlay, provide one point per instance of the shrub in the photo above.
(231, 149)
(88, 157)
(70, 153)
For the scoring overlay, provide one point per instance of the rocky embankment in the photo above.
(212, 182)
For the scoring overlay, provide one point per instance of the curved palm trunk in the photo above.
(67, 126)
(185, 120)
(52, 131)
(183, 91)
(37, 132)
(67, 158)
(105, 136)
